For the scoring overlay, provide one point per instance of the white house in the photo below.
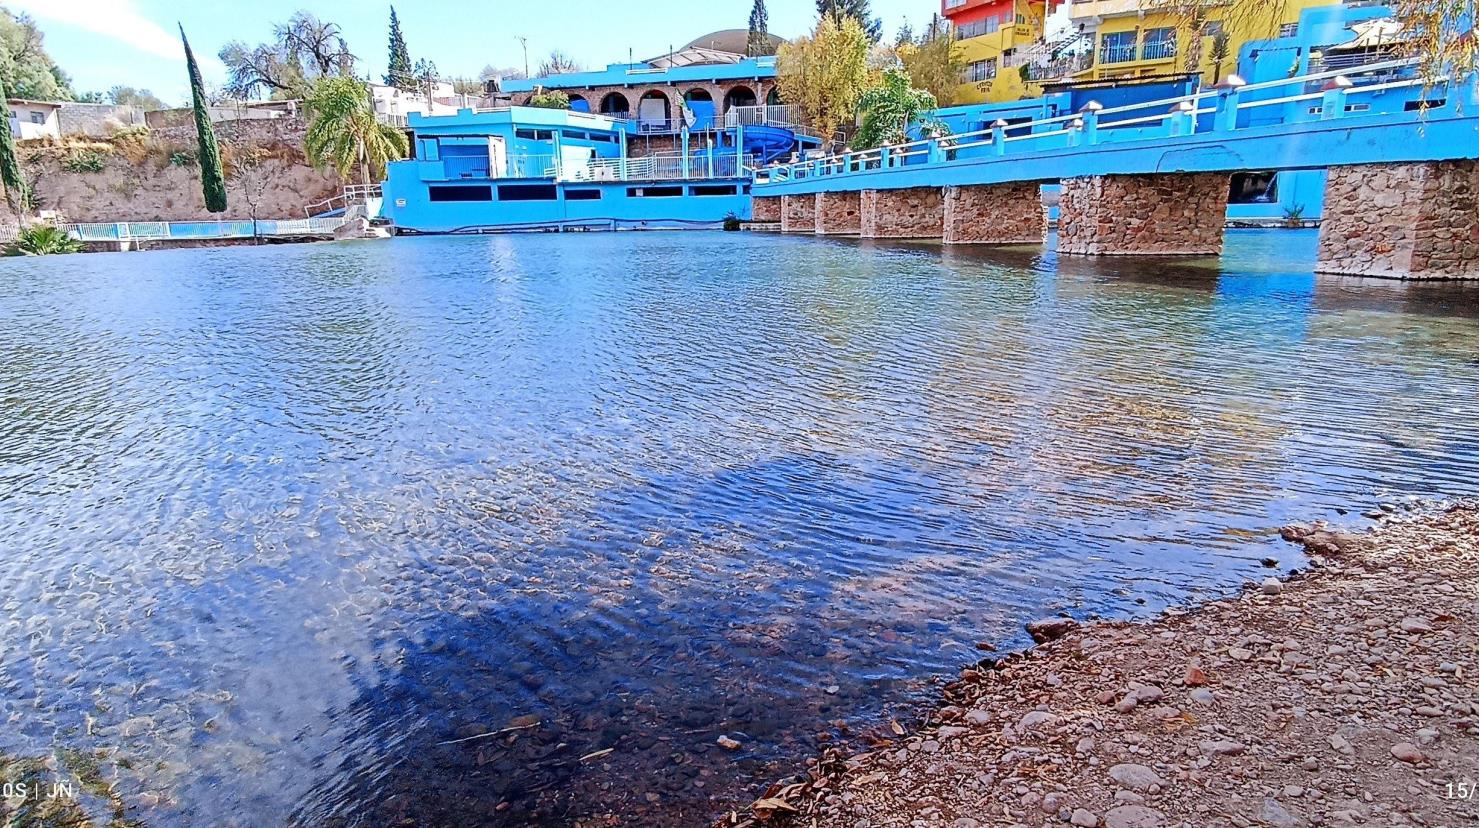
(392, 104)
(34, 119)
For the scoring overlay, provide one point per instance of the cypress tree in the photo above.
(858, 10)
(212, 181)
(17, 191)
(759, 41)
(398, 69)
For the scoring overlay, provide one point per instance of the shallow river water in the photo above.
(287, 534)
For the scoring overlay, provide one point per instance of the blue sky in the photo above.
(102, 43)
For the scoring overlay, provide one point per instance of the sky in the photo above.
(105, 43)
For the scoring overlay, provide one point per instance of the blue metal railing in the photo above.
(1158, 119)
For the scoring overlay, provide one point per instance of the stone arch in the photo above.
(773, 97)
(739, 96)
(578, 103)
(616, 105)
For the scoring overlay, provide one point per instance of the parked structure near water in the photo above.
(1152, 178)
(525, 168)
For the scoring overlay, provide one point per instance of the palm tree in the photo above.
(344, 132)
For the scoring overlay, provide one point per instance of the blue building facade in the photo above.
(522, 168)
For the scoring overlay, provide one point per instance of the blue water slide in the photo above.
(769, 142)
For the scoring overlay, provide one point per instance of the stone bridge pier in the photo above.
(911, 213)
(765, 210)
(1402, 221)
(1154, 214)
(995, 214)
(839, 214)
(798, 213)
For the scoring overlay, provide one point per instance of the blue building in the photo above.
(525, 168)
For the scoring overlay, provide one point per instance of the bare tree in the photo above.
(303, 50)
(558, 63)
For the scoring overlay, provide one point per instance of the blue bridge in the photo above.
(1402, 196)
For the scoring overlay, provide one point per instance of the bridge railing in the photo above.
(1162, 118)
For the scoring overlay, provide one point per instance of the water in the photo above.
(282, 524)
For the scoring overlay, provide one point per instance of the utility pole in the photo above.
(525, 41)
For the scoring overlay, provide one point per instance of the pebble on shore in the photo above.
(1341, 698)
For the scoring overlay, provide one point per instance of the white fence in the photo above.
(662, 168)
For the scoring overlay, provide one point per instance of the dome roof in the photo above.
(730, 40)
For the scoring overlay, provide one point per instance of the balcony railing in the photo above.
(1159, 49)
(661, 168)
(1117, 54)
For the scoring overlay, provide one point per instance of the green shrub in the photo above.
(732, 222)
(42, 240)
(182, 158)
(83, 162)
(549, 99)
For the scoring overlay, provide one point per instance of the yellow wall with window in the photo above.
(1119, 17)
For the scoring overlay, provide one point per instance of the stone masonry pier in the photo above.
(765, 210)
(799, 213)
(912, 213)
(1154, 214)
(839, 214)
(995, 214)
(1402, 221)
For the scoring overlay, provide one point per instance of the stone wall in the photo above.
(839, 214)
(1402, 221)
(248, 131)
(995, 214)
(765, 210)
(913, 213)
(148, 187)
(798, 214)
(1160, 214)
(97, 120)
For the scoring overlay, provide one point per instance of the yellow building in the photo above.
(992, 35)
(1143, 38)
(1002, 42)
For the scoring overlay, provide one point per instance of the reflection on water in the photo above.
(317, 534)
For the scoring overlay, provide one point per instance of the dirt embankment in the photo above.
(1344, 696)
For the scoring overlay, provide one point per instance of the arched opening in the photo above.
(653, 111)
(579, 104)
(616, 105)
(739, 96)
(774, 98)
(701, 104)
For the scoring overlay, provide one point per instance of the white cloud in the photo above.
(119, 20)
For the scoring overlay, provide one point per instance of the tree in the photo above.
(888, 110)
(425, 73)
(25, 67)
(212, 182)
(467, 86)
(303, 50)
(252, 177)
(824, 73)
(549, 99)
(758, 42)
(129, 96)
(398, 72)
(558, 63)
(17, 191)
(344, 133)
(506, 73)
(858, 10)
(932, 61)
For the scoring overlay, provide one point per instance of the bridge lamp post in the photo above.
(1183, 119)
(1088, 118)
(1332, 99)
(1226, 118)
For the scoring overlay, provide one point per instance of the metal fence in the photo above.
(135, 231)
(662, 168)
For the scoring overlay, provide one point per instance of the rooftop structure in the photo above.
(33, 119)
(991, 34)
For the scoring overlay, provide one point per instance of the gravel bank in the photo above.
(1345, 696)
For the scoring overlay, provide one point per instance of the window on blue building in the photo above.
(1117, 47)
(446, 193)
(527, 192)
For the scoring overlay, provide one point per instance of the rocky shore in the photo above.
(1345, 695)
